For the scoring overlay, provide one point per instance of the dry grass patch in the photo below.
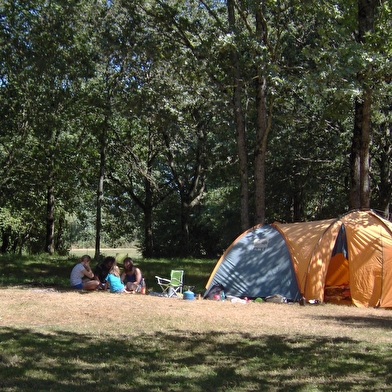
(74, 341)
(102, 311)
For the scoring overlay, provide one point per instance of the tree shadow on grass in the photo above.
(359, 322)
(22, 271)
(180, 361)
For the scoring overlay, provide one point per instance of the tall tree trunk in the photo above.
(5, 236)
(297, 206)
(240, 126)
(148, 233)
(365, 146)
(50, 220)
(98, 224)
(262, 126)
(355, 165)
(148, 206)
(49, 241)
(59, 237)
(261, 147)
(184, 248)
(360, 179)
(359, 161)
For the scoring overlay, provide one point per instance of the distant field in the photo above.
(132, 252)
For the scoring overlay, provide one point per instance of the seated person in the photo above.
(102, 270)
(113, 281)
(133, 277)
(81, 275)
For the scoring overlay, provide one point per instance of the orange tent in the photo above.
(359, 270)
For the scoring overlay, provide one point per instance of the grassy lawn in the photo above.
(55, 339)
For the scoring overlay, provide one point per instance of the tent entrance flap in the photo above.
(337, 280)
(338, 272)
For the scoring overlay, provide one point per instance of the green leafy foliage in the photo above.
(146, 90)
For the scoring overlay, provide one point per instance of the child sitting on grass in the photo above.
(81, 275)
(113, 281)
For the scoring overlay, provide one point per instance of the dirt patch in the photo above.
(105, 313)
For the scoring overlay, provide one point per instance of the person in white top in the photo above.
(82, 276)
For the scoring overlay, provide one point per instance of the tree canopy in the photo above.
(178, 124)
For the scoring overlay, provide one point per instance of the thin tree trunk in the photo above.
(147, 209)
(49, 247)
(359, 165)
(148, 233)
(263, 123)
(261, 147)
(365, 155)
(50, 220)
(240, 127)
(355, 163)
(5, 236)
(185, 211)
(59, 240)
(98, 224)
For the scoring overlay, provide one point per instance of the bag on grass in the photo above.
(214, 291)
(276, 298)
